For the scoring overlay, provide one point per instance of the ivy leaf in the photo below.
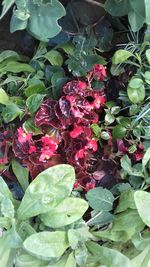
(43, 22)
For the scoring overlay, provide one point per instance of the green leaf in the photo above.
(67, 212)
(121, 56)
(148, 55)
(5, 251)
(142, 202)
(34, 102)
(146, 158)
(8, 54)
(105, 135)
(67, 47)
(22, 174)
(109, 119)
(125, 225)
(7, 208)
(26, 260)
(107, 256)
(142, 259)
(29, 127)
(100, 199)
(71, 262)
(126, 165)
(43, 23)
(126, 201)
(136, 90)
(54, 57)
(48, 244)
(81, 255)
(3, 97)
(46, 191)
(37, 88)
(11, 112)
(117, 8)
(4, 190)
(16, 67)
(119, 132)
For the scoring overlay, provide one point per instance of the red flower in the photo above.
(22, 136)
(90, 186)
(92, 144)
(138, 155)
(98, 100)
(80, 154)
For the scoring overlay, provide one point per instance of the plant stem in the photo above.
(93, 2)
(93, 218)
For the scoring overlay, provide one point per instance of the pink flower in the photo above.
(90, 186)
(98, 100)
(98, 72)
(78, 130)
(80, 154)
(49, 146)
(92, 144)
(22, 136)
(32, 149)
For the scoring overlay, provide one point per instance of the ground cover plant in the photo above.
(75, 135)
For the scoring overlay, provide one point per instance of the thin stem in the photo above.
(93, 2)
(93, 218)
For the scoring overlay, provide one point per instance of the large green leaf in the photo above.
(142, 202)
(100, 199)
(107, 256)
(43, 22)
(47, 245)
(7, 208)
(22, 174)
(67, 212)
(46, 191)
(4, 190)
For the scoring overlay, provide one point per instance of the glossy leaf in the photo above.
(6, 6)
(16, 67)
(136, 90)
(100, 199)
(142, 202)
(67, 212)
(47, 190)
(21, 173)
(29, 127)
(48, 244)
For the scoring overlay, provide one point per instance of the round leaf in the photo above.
(3, 97)
(136, 91)
(54, 57)
(100, 199)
